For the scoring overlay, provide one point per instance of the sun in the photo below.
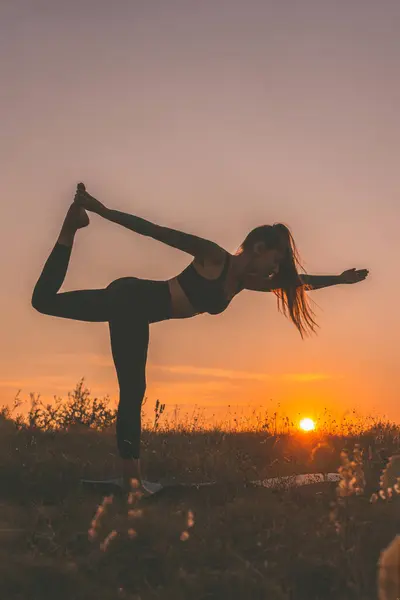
(307, 425)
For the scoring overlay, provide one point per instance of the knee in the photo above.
(35, 301)
(130, 405)
(132, 389)
(38, 303)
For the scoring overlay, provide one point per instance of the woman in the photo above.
(266, 261)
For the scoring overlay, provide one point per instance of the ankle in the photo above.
(66, 237)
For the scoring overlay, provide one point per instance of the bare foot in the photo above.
(86, 201)
(76, 218)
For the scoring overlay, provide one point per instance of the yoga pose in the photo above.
(266, 261)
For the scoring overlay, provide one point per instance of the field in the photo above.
(232, 540)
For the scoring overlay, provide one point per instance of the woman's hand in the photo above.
(353, 275)
(88, 202)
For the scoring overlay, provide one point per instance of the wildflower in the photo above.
(99, 511)
(104, 545)
(97, 516)
(389, 568)
(351, 473)
(190, 519)
(390, 475)
(132, 533)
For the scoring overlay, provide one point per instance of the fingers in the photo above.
(361, 274)
(356, 275)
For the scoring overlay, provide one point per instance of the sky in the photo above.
(213, 118)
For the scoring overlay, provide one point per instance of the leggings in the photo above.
(129, 305)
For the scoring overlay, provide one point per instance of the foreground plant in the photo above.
(389, 571)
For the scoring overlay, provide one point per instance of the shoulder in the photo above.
(210, 266)
(215, 256)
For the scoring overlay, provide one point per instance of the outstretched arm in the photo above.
(192, 244)
(315, 282)
(311, 282)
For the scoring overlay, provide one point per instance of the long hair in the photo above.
(290, 291)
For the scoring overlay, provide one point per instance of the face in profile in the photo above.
(265, 261)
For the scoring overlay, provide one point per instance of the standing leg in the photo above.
(129, 332)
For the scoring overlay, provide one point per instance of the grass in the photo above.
(232, 540)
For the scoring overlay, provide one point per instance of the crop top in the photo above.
(205, 295)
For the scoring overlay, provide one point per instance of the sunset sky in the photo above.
(212, 117)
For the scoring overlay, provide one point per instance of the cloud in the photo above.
(304, 377)
(71, 358)
(241, 375)
(45, 380)
(100, 360)
(212, 372)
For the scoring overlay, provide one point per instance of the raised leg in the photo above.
(82, 305)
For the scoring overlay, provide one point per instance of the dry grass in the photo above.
(232, 540)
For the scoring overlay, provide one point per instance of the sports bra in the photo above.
(205, 295)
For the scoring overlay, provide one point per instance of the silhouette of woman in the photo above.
(266, 261)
